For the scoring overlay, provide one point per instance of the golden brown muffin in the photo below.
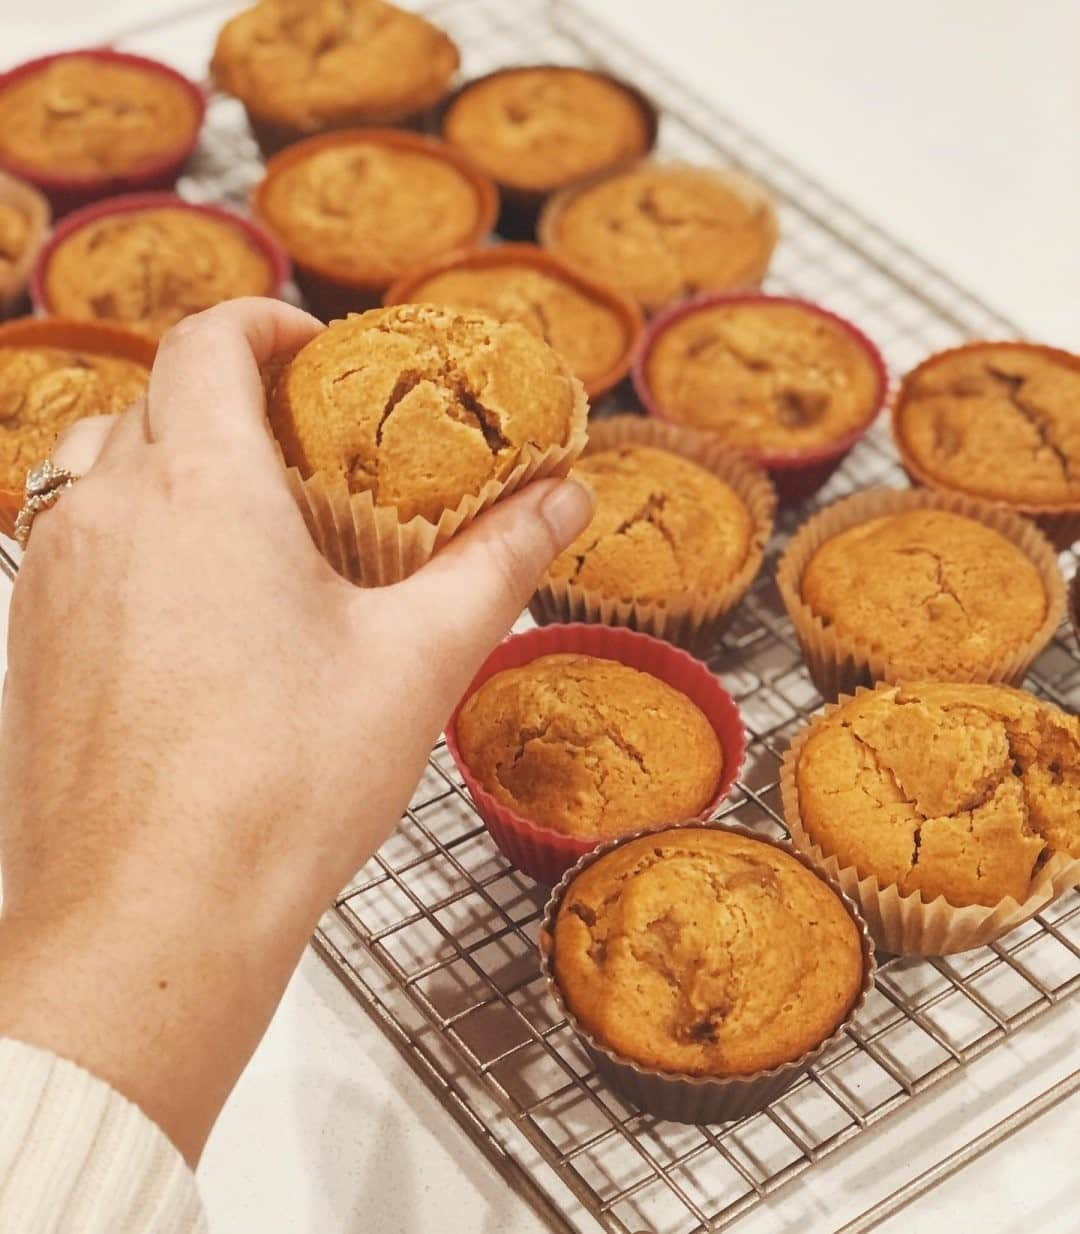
(766, 376)
(953, 790)
(947, 596)
(660, 232)
(44, 389)
(82, 116)
(149, 268)
(421, 405)
(589, 747)
(539, 128)
(14, 237)
(317, 64)
(999, 421)
(706, 953)
(662, 526)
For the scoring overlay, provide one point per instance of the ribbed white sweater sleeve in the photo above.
(77, 1158)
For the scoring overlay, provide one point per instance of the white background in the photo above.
(957, 126)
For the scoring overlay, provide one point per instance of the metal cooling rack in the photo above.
(436, 935)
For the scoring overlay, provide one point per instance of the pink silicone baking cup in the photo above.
(540, 851)
(797, 474)
(67, 192)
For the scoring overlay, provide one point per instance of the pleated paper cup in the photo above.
(694, 618)
(676, 1096)
(34, 207)
(840, 662)
(908, 924)
(542, 852)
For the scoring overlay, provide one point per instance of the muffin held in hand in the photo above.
(589, 747)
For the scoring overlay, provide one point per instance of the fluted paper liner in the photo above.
(841, 662)
(907, 924)
(694, 618)
(674, 1095)
(29, 202)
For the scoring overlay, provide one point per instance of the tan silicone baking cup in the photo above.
(35, 206)
(839, 663)
(675, 1095)
(907, 924)
(692, 619)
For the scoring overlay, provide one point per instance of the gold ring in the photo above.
(44, 484)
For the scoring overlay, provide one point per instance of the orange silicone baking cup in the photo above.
(34, 206)
(1061, 523)
(909, 924)
(694, 618)
(677, 1096)
(331, 292)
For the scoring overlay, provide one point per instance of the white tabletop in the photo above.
(955, 127)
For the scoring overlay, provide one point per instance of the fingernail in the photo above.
(567, 510)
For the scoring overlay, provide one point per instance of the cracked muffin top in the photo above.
(590, 747)
(44, 389)
(953, 790)
(83, 116)
(148, 268)
(661, 232)
(537, 129)
(946, 596)
(662, 526)
(314, 64)
(706, 953)
(766, 376)
(1001, 421)
(420, 405)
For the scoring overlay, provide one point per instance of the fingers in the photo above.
(78, 447)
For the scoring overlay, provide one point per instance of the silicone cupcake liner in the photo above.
(797, 474)
(34, 206)
(694, 619)
(518, 217)
(93, 337)
(840, 663)
(404, 290)
(1074, 604)
(1060, 523)
(674, 1095)
(257, 237)
(907, 924)
(66, 192)
(330, 292)
(542, 852)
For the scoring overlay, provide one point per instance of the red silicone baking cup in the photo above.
(540, 851)
(797, 474)
(66, 192)
(257, 237)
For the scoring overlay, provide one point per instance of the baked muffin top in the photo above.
(953, 790)
(148, 268)
(44, 389)
(422, 405)
(662, 526)
(14, 236)
(312, 64)
(945, 596)
(83, 116)
(661, 232)
(369, 210)
(707, 953)
(539, 128)
(767, 376)
(589, 747)
(589, 334)
(1000, 421)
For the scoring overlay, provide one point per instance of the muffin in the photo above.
(589, 747)
(147, 266)
(664, 231)
(302, 67)
(24, 220)
(1000, 421)
(356, 209)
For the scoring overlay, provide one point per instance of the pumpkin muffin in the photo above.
(663, 231)
(14, 237)
(148, 268)
(958, 791)
(589, 747)
(707, 953)
(420, 405)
